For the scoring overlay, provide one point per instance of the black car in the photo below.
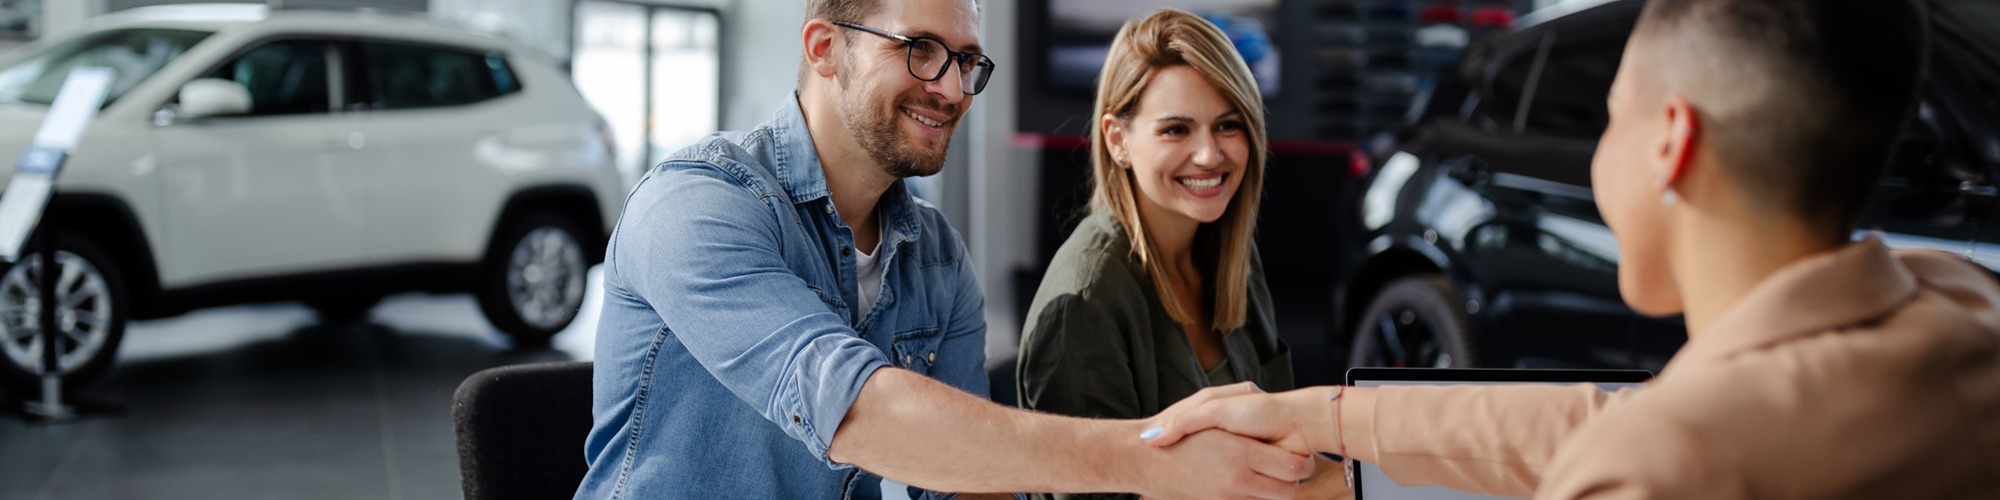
(1481, 243)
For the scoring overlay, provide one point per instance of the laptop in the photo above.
(1371, 484)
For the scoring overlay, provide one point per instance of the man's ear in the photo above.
(819, 38)
(1114, 138)
(1676, 147)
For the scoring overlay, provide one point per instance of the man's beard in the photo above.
(880, 132)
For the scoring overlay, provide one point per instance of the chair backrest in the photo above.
(521, 430)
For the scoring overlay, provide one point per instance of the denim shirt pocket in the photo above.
(916, 349)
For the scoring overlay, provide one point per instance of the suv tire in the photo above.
(533, 280)
(1415, 321)
(94, 317)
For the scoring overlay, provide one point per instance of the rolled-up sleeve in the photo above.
(714, 270)
(1495, 440)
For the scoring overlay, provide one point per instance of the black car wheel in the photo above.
(90, 313)
(1414, 322)
(535, 278)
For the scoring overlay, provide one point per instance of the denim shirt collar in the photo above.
(796, 161)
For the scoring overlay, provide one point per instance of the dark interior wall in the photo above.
(1043, 110)
(1305, 178)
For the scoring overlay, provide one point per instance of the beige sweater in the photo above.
(1859, 373)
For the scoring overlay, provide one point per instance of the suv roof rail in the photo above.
(350, 5)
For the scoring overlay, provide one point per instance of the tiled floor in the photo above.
(261, 402)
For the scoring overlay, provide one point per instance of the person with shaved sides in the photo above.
(1744, 138)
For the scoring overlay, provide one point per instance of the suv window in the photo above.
(1975, 26)
(132, 54)
(1569, 96)
(284, 77)
(410, 76)
(1507, 86)
(1566, 99)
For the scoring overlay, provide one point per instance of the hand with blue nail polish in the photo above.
(1299, 421)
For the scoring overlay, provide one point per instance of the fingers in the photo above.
(1165, 432)
(1178, 422)
(1279, 463)
(1274, 472)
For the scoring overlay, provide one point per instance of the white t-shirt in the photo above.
(868, 272)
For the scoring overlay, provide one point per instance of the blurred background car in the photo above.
(328, 157)
(1482, 243)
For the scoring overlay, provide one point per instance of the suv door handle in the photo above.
(1469, 170)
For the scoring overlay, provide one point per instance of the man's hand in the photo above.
(1300, 421)
(1216, 464)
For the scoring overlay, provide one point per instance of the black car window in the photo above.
(1504, 93)
(284, 77)
(410, 76)
(1974, 26)
(1568, 98)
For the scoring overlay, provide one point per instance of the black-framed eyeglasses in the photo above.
(929, 59)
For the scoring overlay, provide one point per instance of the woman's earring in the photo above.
(1667, 195)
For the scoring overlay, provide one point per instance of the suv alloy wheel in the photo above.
(91, 314)
(535, 278)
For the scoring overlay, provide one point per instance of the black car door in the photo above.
(1548, 260)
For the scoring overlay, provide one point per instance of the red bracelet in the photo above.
(1340, 441)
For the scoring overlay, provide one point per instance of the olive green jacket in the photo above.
(1098, 343)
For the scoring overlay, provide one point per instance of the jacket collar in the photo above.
(1854, 284)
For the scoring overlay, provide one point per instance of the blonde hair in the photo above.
(1166, 38)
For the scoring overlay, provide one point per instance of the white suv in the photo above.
(325, 157)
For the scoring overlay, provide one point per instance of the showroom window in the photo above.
(411, 77)
(653, 71)
(284, 77)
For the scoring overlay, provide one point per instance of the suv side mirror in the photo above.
(208, 97)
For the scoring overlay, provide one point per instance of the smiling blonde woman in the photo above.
(1159, 292)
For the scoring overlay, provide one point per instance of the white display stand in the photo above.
(25, 210)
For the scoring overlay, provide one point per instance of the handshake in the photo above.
(1236, 441)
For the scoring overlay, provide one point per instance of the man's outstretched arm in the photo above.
(916, 430)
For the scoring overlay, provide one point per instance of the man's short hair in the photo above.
(1804, 99)
(841, 10)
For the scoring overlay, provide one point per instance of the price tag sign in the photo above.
(34, 181)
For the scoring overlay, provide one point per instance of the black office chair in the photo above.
(521, 430)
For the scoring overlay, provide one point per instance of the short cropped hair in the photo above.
(1804, 99)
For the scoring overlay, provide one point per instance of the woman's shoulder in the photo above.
(1095, 260)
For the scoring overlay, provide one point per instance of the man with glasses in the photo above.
(783, 320)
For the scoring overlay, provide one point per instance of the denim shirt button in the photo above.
(796, 420)
(846, 251)
(933, 357)
(829, 208)
(906, 361)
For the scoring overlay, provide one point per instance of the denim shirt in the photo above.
(730, 347)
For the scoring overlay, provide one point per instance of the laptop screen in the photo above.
(1371, 484)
